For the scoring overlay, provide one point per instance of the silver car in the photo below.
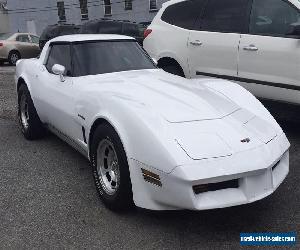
(19, 45)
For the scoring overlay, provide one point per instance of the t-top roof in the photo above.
(90, 37)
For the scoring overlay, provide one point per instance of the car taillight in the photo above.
(147, 32)
(1, 44)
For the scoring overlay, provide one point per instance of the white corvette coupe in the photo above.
(155, 140)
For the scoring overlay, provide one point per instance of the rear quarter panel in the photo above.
(167, 40)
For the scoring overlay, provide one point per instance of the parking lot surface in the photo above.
(48, 199)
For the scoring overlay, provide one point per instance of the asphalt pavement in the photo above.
(48, 199)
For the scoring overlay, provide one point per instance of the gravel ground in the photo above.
(48, 200)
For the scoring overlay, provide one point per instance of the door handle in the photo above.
(251, 48)
(196, 43)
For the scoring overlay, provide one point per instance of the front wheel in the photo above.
(110, 169)
(31, 125)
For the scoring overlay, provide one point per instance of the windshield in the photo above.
(5, 36)
(99, 57)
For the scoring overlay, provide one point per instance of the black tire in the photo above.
(33, 129)
(122, 198)
(13, 57)
(173, 69)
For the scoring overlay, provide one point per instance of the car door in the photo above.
(269, 56)
(23, 45)
(55, 97)
(213, 45)
(35, 45)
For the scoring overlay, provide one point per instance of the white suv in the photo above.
(253, 42)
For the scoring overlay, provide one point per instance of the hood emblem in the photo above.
(246, 140)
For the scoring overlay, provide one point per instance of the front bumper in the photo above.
(259, 172)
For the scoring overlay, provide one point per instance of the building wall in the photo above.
(4, 27)
(44, 12)
(4, 24)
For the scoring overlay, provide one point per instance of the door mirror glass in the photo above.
(60, 70)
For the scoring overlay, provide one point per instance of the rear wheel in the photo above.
(110, 169)
(173, 69)
(13, 57)
(31, 125)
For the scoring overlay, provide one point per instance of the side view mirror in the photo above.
(60, 70)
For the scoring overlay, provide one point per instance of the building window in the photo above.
(128, 4)
(61, 11)
(3, 5)
(84, 9)
(153, 5)
(107, 8)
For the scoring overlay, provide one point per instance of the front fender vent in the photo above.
(151, 177)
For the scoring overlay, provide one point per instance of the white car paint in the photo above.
(277, 60)
(189, 132)
(216, 57)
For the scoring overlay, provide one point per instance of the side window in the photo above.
(225, 16)
(130, 29)
(273, 17)
(183, 14)
(89, 28)
(60, 54)
(110, 27)
(35, 39)
(23, 39)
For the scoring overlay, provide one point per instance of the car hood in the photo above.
(176, 99)
(238, 132)
(182, 114)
